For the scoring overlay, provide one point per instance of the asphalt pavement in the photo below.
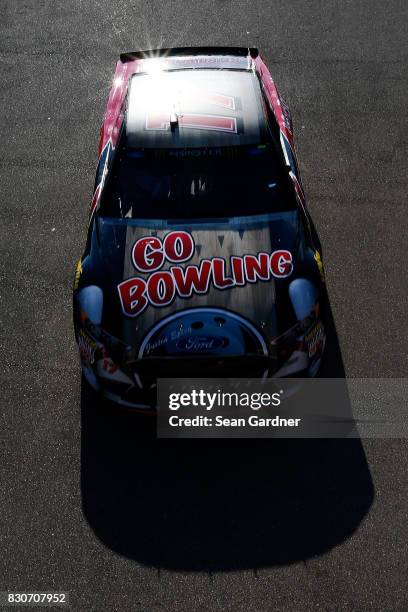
(96, 506)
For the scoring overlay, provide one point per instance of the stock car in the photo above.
(201, 257)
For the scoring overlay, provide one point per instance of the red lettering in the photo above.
(281, 263)
(150, 252)
(257, 267)
(160, 288)
(132, 296)
(147, 254)
(237, 266)
(178, 247)
(192, 279)
(221, 281)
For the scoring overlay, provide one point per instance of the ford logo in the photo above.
(200, 344)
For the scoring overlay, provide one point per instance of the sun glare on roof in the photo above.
(159, 93)
(154, 66)
(193, 108)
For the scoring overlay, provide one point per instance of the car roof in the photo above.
(188, 108)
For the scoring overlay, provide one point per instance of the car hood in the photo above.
(259, 305)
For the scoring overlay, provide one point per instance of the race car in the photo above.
(201, 257)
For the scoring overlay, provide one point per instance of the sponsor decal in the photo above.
(78, 272)
(318, 260)
(160, 287)
(315, 339)
(108, 365)
(87, 348)
(92, 352)
(200, 344)
(201, 61)
(164, 339)
(287, 119)
(178, 333)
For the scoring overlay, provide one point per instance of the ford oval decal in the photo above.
(200, 344)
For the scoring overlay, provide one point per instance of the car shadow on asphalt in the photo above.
(218, 505)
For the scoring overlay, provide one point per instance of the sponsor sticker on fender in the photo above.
(87, 347)
(78, 272)
(319, 262)
(315, 339)
(160, 287)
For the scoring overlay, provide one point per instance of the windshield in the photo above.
(193, 184)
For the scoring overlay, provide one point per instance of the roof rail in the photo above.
(177, 51)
